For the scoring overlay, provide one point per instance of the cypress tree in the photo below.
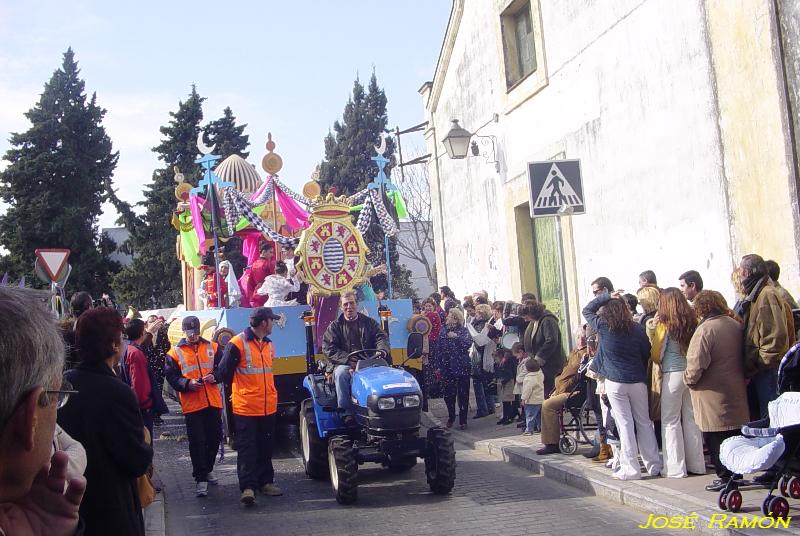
(348, 167)
(226, 137)
(55, 184)
(153, 279)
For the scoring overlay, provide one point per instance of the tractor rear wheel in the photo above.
(343, 469)
(440, 461)
(315, 453)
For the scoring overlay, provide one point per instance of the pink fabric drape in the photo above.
(195, 206)
(250, 239)
(296, 217)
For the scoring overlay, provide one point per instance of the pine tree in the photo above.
(154, 279)
(56, 181)
(348, 167)
(226, 137)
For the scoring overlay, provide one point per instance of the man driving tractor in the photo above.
(350, 332)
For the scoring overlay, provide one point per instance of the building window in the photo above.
(518, 42)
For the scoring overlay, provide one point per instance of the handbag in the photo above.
(147, 492)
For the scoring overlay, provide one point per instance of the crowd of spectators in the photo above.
(672, 371)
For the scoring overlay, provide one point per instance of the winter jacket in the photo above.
(766, 334)
(566, 381)
(621, 357)
(542, 340)
(533, 387)
(520, 377)
(337, 342)
(506, 373)
(483, 347)
(104, 417)
(715, 375)
(452, 353)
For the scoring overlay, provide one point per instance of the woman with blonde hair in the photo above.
(670, 333)
(648, 299)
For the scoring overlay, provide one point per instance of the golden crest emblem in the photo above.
(332, 250)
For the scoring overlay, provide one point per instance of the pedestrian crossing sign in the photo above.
(555, 185)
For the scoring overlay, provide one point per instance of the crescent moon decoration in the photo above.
(201, 146)
(382, 149)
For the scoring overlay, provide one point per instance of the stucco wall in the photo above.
(675, 110)
(754, 125)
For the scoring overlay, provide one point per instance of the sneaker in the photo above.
(526, 433)
(212, 478)
(548, 449)
(248, 497)
(202, 489)
(272, 490)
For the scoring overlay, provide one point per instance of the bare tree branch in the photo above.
(414, 185)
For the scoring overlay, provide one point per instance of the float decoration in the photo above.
(332, 249)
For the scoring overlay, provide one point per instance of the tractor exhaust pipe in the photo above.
(308, 321)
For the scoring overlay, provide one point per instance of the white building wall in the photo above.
(630, 93)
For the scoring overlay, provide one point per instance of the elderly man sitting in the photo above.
(36, 497)
(564, 383)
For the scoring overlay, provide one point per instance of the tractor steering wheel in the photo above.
(367, 353)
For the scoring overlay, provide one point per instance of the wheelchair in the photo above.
(577, 418)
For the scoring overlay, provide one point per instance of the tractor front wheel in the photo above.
(440, 461)
(313, 446)
(343, 469)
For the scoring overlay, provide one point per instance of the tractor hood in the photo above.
(382, 381)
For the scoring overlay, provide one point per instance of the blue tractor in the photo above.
(386, 430)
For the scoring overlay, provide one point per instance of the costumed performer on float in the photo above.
(228, 275)
(279, 285)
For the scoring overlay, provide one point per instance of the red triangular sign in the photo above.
(53, 261)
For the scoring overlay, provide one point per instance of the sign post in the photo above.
(51, 267)
(557, 190)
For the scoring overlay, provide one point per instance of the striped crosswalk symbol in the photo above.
(557, 192)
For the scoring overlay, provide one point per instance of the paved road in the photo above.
(490, 497)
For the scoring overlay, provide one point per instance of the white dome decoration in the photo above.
(237, 170)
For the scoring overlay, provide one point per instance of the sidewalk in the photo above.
(658, 496)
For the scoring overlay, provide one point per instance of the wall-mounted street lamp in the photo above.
(457, 144)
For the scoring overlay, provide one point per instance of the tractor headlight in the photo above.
(386, 403)
(411, 401)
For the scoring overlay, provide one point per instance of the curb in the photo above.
(640, 495)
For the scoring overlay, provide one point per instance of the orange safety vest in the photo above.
(196, 362)
(253, 387)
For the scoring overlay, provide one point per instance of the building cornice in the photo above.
(444, 55)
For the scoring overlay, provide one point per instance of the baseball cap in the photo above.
(261, 314)
(191, 326)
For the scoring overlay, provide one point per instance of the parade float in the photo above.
(324, 230)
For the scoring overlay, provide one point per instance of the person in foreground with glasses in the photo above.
(36, 497)
(104, 417)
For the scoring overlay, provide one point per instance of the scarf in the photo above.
(753, 284)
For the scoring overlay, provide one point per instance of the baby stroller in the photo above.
(768, 442)
(577, 416)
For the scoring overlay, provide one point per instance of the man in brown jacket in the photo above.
(766, 333)
(564, 383)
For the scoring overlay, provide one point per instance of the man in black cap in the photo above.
(247, 366)
(188, 370)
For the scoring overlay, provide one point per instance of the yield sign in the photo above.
(53, 261)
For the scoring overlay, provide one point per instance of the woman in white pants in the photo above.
(670, 332)
(622, 359)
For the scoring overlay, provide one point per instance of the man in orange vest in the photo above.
(247, 365)
(188, 370)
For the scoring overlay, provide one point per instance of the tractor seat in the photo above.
(371, 362)
(324, 393)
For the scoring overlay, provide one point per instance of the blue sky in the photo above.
(282, 66)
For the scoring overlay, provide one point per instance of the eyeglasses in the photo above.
(63, 395)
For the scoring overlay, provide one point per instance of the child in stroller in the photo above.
(768, 443)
